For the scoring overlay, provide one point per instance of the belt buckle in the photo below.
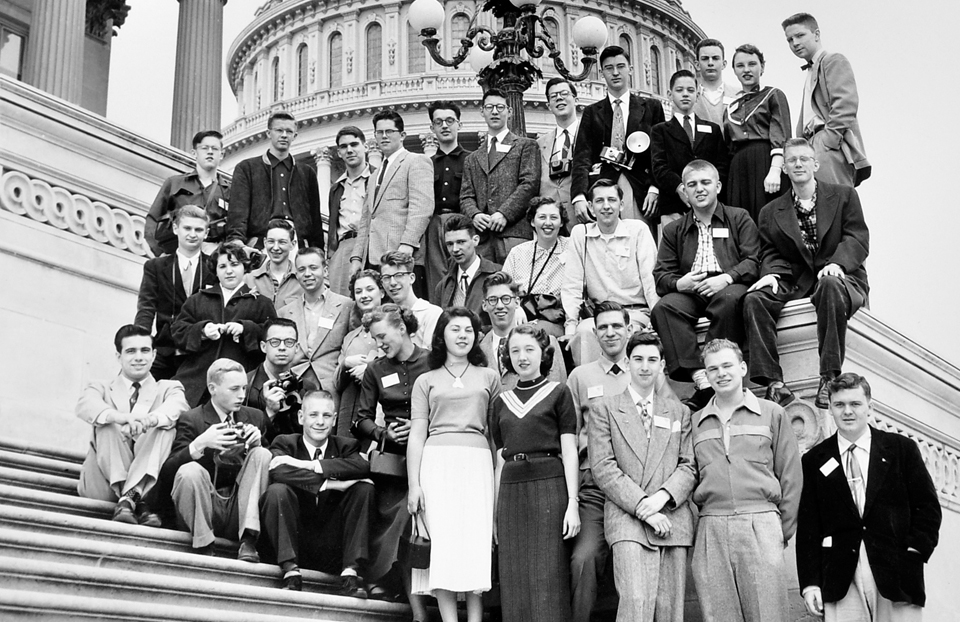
(517, 457)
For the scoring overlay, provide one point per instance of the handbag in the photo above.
(386, 464)
(414, 549)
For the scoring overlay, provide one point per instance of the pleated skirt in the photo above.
(748, 168)
(534, 561)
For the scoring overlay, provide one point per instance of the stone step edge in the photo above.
(23, 446)
(42, 464)
(38, 481)
(58, 501)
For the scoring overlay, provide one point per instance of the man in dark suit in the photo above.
(499, 179)
(213, 493)
(609, 123)
(346, 199)
(869, 517)
(683, 138)
(462, 285)
(814, 242)
(317, 510)
(167, 283)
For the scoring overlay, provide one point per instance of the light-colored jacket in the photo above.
(162, 398)
(323, 351)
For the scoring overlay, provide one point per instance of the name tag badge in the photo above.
(222, 203)
(596, 391)
(706, 129)
(721, 232)
(325, 322)
(827, 542)
(389, 381)
(595, 169)
(661, 422)
(503, 148)
(676, 427)
(829, 466)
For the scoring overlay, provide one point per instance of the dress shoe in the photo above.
(378, 592)
(699, 399)
(779, 393)
(293, 582)
(206, 550)
(146, 517)
(125, 510)
(248, 551)
(352, 585)
(823, 393)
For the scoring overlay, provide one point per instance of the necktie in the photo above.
(854, 478)
(383, 170)
(615, 370)
(565, 150)
(460, 296)
(492, 153)
(645, 417)
(135, 395)
(501, 348)
(619, 128)
(687, 127)
(230, 420)
(188, 274)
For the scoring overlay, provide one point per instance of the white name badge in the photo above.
(389, 381)
(325, 322)
(596, 391)
(222, 203)
(827, 542)
(829, 466)
(676, 427)
(706, 129)
(661, 422)
(502, 148)
(721, 232)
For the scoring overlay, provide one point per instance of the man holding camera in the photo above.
(556, 145)
(217, 469)
(273, 386)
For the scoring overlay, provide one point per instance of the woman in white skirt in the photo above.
(450, 465)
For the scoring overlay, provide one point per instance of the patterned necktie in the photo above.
(460, 296)
(645, 417)
(854, 478)
(135, 395)
(492, 153)
(188, 274)
(565, 150)
(619, 128)
(687, 127)
(501, 348)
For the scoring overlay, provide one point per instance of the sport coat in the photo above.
(842, 233)
(163, 398)
(558, 189)
(400, 212)
(596, 129)
(162, 296)
(901, 511)
(629, 467)
(671, 151)
(321, 353)
(447, 288)
(738, 252)
(341, 461)
(506, 187)
(836, 101)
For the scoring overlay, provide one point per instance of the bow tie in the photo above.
(806, 66)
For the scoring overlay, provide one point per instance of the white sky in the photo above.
(897, 56)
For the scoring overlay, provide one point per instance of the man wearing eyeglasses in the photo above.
(499, 179)
(814, 242)
(556, 146)
(204, 186)
(273, 387)
(397, 277)
(447, 179)
(275, 185)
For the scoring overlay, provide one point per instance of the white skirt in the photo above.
(457, 485)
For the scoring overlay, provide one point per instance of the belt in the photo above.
(534, 455)
(349, 235)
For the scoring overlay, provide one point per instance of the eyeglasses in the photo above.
(504, 300)
(210, 148)
(492, 107)
(442, 122)
(800, 159)
(275, 342)
(560, 96)
(384, 133)
(390, 278)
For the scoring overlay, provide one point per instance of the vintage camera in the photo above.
(618, 157)
(560, 168)
(291, 385)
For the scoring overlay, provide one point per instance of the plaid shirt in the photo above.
(808, 221)
(706, 259)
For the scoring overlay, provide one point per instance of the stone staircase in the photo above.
(61, 557)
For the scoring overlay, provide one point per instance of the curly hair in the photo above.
(438, 348)
(394, 315)
(543, 340)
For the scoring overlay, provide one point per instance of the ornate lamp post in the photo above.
(503, 59)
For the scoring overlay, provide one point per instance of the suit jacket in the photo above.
(341, 461)
(400, 212)
(558, 189)
(447, 288)
(163, 398)
(738, 253)
(162, 296)
(836, 101)
(508, 380)
(901, 510)
(596, 128)
(628, 467)
(320, 354)
(285, 421)
(842, 233)
(671, 151)
(505, 187)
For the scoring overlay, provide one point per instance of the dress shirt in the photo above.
(693, 121)
(229, 293)
(558, 141)
(810, 119)
(128, 391)
(351, 203)
(427, 315)
(447, 179)
(312, 312)
(277, 291)
(470, 272)
(280, 171)
(624, 108)
(188, 263)
(500, 136)
(758, 114)
(385, 165)
(861, 453)
(642, 402)
(314, 449)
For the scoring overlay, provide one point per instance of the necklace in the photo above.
(457, 382)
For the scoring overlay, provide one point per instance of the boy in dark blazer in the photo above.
(869, 517)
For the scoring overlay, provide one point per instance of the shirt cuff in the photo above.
(194, 452)
(808, 589)
(323, 486)
(103, 417)
(653, 190)
(579, 197)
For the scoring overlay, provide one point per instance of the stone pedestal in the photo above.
(321, 157)
(54, 62)
(198, 75)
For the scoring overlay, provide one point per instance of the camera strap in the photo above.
(533, 262)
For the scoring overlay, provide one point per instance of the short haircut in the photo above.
(388, 115)
(849, 380)
(397, 259)
(716, 345)
(543, 340)
(681, 73)
(318, 394)
(190, 211)
(708, 43)
(552, 82)
(283, 322)
(443, 105)
(749, 48)
(365, 274)
(350, 130)
(500, 278)
(537, 202)
(609, 306)
(459, 222)
(492, 93)
(603, 182)
(199, 136)
(220, 367)
(282, 223)
(613, 50)
(797, 142)
(312, 250)
(234, 250)
(699, 165)
(280, 116)
(395, 315)
(438, 347)
(803, 19)
(644, 338)
(130, 330)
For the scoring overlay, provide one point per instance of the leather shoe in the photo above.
(248, 552)
(378, 592)
(699, 399)
(206, 550)
(352, 585)
(779, 393)
(823, 393)
(146, 517)
(125, 510)
(293, 583)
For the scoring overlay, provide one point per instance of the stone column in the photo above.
(198, 77)
(321, 157)
(54, 60)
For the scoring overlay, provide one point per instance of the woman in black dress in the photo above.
(534, 427)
